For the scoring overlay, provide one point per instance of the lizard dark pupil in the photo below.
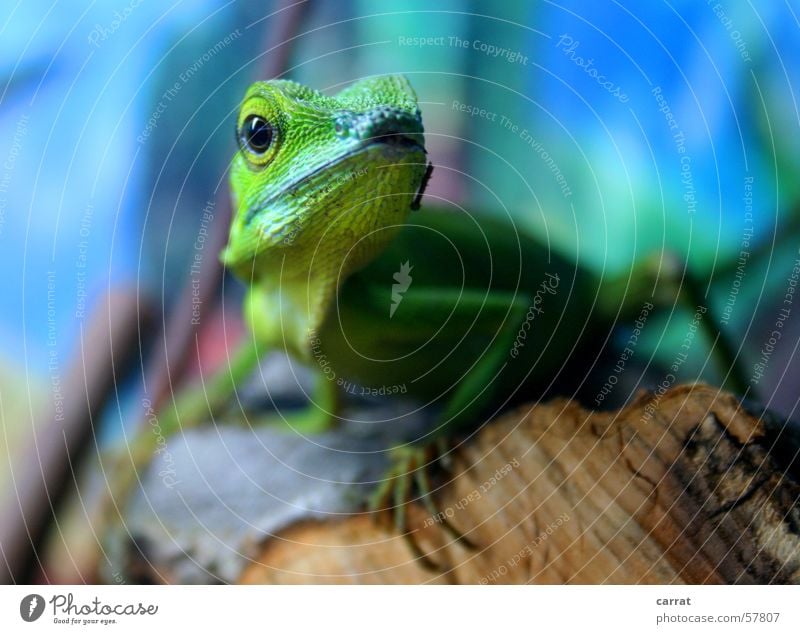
(257, 133)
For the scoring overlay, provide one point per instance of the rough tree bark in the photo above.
(688, 487)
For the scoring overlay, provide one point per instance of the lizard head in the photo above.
(322, 175)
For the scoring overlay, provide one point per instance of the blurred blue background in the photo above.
(613, 129)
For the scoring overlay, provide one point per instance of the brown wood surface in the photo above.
(687, 487)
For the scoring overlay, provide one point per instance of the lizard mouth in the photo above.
(395, 143)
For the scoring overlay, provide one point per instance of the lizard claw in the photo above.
(407, 481)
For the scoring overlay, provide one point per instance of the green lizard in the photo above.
(456, 310)
(338, 273)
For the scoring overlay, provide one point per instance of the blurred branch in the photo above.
(44, 475)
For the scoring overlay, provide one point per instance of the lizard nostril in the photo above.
(343, 125)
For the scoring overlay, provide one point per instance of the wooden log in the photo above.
(685, 487)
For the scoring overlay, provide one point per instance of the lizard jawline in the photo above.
(397, 140)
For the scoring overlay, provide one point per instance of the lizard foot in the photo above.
(406, 481)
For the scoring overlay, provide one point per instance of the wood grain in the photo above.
(685, 487)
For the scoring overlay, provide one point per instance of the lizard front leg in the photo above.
(497, 315)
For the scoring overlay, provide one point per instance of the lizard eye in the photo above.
(256, 134)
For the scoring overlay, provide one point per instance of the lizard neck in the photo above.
(286, 308)
(297, 285)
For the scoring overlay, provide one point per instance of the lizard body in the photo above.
(322, 228)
